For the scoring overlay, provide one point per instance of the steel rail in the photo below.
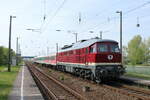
(147, 92)
(73, 92)
(123, 89)
(126, 92)
(140, 92)
(45, 90)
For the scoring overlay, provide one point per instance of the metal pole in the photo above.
(121, 36)
(47, 51)
(17, 52)
(120, 12)
(76, 36)
(100, 34)
(9, 52)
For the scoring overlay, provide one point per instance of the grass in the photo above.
(2, 68)
(141, 76)
(61, 77)
(138, 72)
(6, 81)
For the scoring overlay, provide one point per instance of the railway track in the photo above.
(51, 88)
(132, 91)
(132, 82)
(139, 93)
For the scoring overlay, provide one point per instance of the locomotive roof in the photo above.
(85, 43)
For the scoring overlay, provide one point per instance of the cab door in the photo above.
(86, 54)
(90, 58)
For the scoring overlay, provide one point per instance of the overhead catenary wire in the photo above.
(138, 7)
(44, 27)
(125, 13)
(102, 23)
(106, 9)
(103, 12)
(44, 10)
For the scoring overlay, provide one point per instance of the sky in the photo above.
(63, 15)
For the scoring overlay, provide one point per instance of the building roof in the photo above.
(84, 43)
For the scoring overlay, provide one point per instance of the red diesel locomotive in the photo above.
(97, 59)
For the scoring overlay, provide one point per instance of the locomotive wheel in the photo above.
(92, 77)
(98, 81)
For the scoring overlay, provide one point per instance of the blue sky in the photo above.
(96, 15)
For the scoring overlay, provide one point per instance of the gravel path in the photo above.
(96, 91)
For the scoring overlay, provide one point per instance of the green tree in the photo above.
(148, 42)
(125, 53)
(4, 55)
(135, 50)
(5, 50)
(146, 48)
(1, 55)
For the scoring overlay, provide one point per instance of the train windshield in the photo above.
(108, 48)
(102, 48)
(114, 48)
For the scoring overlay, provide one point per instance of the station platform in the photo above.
(24, 87)
(136, 80)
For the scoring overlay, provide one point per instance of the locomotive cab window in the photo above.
(102, 48)
(114, 48)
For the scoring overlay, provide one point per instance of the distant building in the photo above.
(13, 63)
(148, 61)
(27, 57)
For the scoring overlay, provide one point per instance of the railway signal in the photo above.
(138, 24)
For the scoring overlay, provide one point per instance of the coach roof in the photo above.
(85, 43)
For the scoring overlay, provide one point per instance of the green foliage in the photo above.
(61, 77)
(125, 58)
(146, 50)
(6, 81)
(138, 50)
(4, 55)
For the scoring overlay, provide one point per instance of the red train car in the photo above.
(46, 60)
(97, 59)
